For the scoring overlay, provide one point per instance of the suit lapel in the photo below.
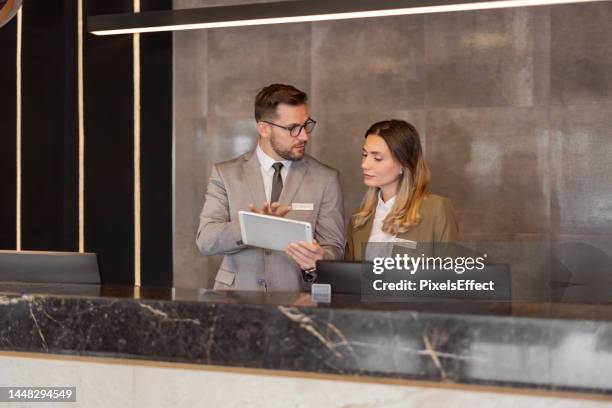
(252, 174)
(294, 180)
(361, 236)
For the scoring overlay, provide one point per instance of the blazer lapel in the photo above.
(361, 236)
(252, 175)
(294, 180)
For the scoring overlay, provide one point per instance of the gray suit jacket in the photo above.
(236, 183)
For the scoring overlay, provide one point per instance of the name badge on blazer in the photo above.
(302, 206)
(406, 243)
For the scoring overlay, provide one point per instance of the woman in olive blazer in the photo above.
(398, 207)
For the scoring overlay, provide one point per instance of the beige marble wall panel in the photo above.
(368, 65)
(493, 164)
(581, 165)
(191, 175)
(487, 58)
(581, 53)
(190, 79)
(243, 60)
(190, 115)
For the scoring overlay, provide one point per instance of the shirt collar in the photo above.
(385, 206)
(267, 162)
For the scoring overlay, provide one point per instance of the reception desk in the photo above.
(517, 347)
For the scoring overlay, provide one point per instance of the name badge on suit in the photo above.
(406, 243)
(302, 206)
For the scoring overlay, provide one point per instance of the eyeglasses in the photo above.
(295, 130)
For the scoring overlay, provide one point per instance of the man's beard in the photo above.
(287, 154)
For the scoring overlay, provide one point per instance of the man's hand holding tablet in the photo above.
(306, 255)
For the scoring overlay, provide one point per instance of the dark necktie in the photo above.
(277, 182)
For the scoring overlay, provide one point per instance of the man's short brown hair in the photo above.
(268, 99)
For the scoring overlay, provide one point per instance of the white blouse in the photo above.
(377, 235)
(382, 209)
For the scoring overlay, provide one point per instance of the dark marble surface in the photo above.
(552, 346)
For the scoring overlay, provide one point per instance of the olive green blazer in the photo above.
(438, 224)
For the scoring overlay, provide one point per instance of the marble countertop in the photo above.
(535, 344)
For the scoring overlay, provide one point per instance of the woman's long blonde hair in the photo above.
(405, 145)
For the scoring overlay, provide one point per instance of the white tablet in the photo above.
(270, 232)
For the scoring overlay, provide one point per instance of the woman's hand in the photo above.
(304, 254)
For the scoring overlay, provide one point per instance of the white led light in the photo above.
(347, 15)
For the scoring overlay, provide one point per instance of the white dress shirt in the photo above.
(382, 209)
(267, 171)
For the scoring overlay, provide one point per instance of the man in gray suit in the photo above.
(289, 183)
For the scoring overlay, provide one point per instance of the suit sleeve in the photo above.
(329, 228)
(216, 233)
